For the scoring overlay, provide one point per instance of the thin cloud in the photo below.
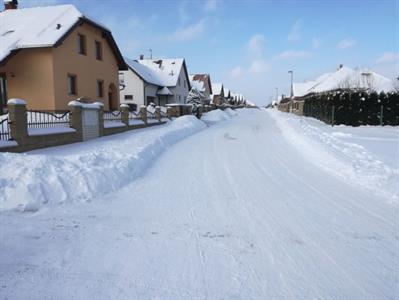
(290, 54)
(255, 45)
(346, 43)
(236, 72)
(211, 5)
(295, 33)
(388, 57)
(259, 66)
(316, 43)
(189, 32)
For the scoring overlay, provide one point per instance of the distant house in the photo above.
(52, 55)
(346, 79)
(218, 93)
(202, 82)
(159, 81)
(343, 78)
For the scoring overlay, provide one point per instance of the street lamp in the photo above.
(292, 83)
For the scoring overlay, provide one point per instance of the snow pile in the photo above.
(215, 116)
(81, 171)
(366, 163)
(230, 112)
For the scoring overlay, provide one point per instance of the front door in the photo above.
(3, 93)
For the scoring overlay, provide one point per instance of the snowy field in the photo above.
(254, 205)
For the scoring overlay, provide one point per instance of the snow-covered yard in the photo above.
(261, 205)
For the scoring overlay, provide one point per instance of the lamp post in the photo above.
(292, 83)
(292, 89)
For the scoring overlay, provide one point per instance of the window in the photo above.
(179, 98)
(129, 97)
(100, 88)
(179, 81)
(81, 44)
(71, 84)
(99, 50)
(184, 83)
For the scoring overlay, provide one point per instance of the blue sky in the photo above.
(251, 45)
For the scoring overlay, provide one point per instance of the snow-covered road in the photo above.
(232, 212)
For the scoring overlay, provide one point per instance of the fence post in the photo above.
(169, 112)
(381, 115)
(332, 116)
(158, 113)
(143, 113)
(75, 118)
(125, 114)
(18, 121)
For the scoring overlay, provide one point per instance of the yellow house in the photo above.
(52, 55)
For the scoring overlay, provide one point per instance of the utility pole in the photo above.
(276, 94)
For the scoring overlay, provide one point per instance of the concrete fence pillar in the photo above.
(75, 118)
(18, 120)
(158, 115)
(100, 117)
(169, 112)
(143, 113)
(125, 114)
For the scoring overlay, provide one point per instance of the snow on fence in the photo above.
(353, 108)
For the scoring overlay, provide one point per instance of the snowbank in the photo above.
(359, 155)
(215, 116)
(230, 112)
(83, 171)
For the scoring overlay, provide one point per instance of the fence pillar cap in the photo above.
(143, 106)
(75, 103)
(124, 105)
(16, 101)
(98, 103)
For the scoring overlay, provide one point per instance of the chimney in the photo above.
(141, 56)
(10, 4)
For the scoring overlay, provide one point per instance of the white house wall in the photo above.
(182, 89)
(134, 86)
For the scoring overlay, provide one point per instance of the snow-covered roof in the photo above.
(161, 72)
(345, 78)
(40, 27)
(35, 27)
(217, 88)
(197, 84)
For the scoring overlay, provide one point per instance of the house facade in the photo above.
(161, 81)
(52, 55)
(202, 82)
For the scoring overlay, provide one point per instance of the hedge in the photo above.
(353, 108)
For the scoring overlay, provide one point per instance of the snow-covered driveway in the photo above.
(232, 212)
